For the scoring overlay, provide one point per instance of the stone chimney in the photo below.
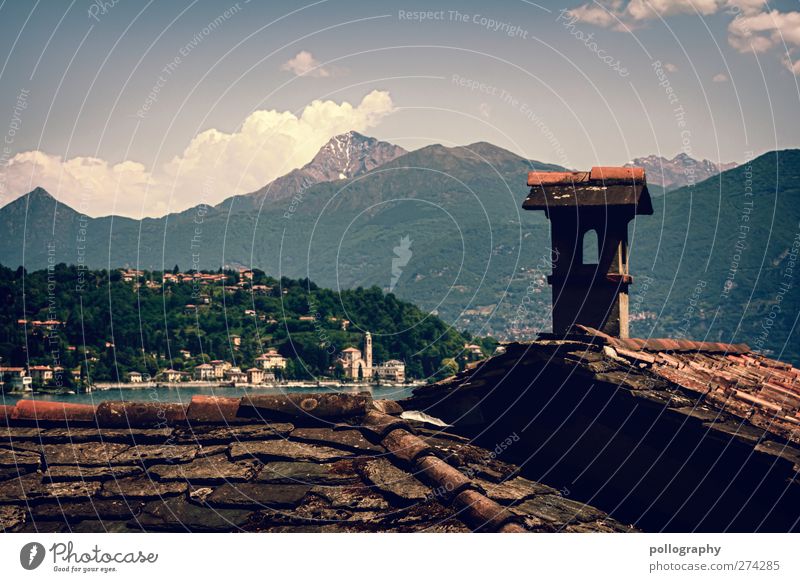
(590, 291)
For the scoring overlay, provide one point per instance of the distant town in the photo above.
(235, 312)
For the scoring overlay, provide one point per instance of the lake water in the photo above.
(184, 394)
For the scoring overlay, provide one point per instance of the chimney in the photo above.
(590, 291)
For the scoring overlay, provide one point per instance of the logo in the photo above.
(402, 256)
(31, 555)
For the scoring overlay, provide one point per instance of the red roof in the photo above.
(601, 173)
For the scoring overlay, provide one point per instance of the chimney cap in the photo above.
(603, 186)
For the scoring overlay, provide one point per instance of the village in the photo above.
(267, 370)
(60, 366)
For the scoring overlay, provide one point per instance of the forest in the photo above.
(109, 323)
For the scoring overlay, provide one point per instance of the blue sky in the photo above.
(144, 108)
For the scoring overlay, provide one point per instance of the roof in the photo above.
(652, 425)
(748, 385)
(602, 186)
(351, 349)
(295, 462)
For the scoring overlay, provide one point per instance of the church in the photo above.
(355, 366)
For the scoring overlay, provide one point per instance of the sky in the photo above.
(143, 108)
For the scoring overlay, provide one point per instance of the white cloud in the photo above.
(720, 78)
(213, 166)
(304, 64)
(609, 14)
(671, 68)
(764, 31)
(752, 27)
(792, 65)
(648, 9)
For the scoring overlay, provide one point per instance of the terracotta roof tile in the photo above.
(204, 408)
(46, 411)
(139, 414)
(480, 512)
(405, 446)
(446, 479)
(320, 405)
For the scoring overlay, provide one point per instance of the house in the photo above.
(255, 375)
(15, 378)
(185, 353)
(7, 372)
(204, 372)
(129, 275)
(41, 374)
(270, 360)
(234, 374)
(473, 352)
(20, 384)
(171, 375)
(135, 377)
(391, 370)
(49, 325)
(219, 367)
(236, 340)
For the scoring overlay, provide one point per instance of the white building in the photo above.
(391, 370)
(270, 360)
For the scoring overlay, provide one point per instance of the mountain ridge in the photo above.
(681, 170)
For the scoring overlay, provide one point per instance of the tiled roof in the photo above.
(296, 462)
(763, 391)
(727, 384)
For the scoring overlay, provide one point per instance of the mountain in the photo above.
(682, 170)
(443, 228)
(345, 156)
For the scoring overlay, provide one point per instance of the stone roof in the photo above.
(714, 416)
(296, 462)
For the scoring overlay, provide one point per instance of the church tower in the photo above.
(368, 355)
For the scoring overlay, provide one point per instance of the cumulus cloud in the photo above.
(753, 26)
(671, 68)
(720, 78)
(619, 15)
(213, 166)
(304, 64)
(764, 31)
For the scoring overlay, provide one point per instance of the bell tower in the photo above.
(368, 355)
(590, 291)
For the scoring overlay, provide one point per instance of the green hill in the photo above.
(116, 326)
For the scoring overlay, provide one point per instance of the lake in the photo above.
(184, 394)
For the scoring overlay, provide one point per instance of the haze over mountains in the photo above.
(682, 170)
(443, 227)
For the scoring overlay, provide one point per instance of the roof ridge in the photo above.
(201, 409)
(476, 510)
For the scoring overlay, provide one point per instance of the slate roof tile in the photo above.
(343, 463)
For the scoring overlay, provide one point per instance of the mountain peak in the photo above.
(40, 192)
(681, 170)
(344, 156)
(350, 154)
